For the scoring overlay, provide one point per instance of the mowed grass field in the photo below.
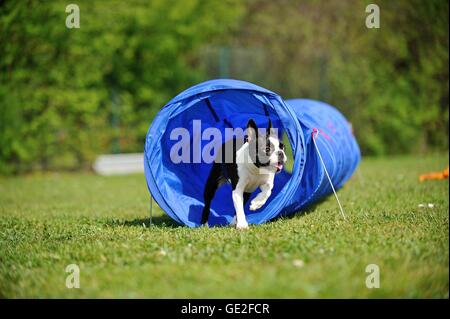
(48, 221)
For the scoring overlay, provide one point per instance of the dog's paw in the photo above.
(254, 205)
(241, 225)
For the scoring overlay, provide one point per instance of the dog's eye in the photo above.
(267, 149)
(281, 146)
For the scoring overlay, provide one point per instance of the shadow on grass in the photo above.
(158, 221)
(302, 212)
(166, 221)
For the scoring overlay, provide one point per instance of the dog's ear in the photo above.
(269, 128)
(252, 130)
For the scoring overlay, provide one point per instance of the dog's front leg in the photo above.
(260, 200)
(238, 201)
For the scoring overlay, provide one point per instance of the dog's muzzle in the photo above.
(281, 160)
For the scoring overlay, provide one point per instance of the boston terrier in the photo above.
(247, 165)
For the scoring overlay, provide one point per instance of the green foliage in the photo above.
(62, 89)
(102, 225)
(391, 83)
(69, 94)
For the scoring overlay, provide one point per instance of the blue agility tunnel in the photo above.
(180, 136)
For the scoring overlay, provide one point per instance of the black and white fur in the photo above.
(252, 163)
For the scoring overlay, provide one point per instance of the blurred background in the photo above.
(67, 95)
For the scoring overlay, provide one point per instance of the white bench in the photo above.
(119, 164)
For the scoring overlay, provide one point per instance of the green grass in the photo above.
(101, 224)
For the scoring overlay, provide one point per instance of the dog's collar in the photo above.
(258, 164)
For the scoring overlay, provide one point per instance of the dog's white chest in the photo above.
(252, 181)
(250, 177)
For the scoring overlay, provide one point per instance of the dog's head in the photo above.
(265, 149)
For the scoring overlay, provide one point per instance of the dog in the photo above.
(247, 165)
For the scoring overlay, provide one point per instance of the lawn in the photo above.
(51, 220)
